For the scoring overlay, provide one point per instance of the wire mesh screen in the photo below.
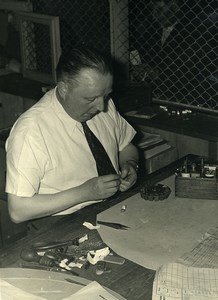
(171, 44)
(81, 21)
(36, 50)
(175, 47)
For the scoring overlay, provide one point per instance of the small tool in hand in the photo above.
(113, 225)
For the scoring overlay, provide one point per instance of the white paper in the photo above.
(98, 255)
(10, 292)
(90, 226)
(93, 291)
(175, 281)
(205, 253)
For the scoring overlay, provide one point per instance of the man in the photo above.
(50, 167)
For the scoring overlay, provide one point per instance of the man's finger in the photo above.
(110, 177)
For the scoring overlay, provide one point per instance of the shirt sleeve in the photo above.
(124, 131)
(25, 164)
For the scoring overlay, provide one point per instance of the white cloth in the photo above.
(47, 151)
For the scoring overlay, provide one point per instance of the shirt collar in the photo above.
(61, 112)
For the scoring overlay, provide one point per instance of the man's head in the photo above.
(84, 82)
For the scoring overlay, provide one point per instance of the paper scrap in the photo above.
(63, 264)
(90, 226)
(75, 265)
(94, 256)
(83, 239)
(93, 291)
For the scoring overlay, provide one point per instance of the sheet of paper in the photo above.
(93, 291)
(175, 281)
(9, 292)
(205, 254)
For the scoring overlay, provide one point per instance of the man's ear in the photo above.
(62, 89)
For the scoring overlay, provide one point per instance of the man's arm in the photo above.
(40, 205)
(128, 160)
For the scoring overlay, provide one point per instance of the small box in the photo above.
(197, 178)
(198, 188)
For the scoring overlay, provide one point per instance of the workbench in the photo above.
(130, 280)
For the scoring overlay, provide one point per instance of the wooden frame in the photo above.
(15, 5)
(30, 49)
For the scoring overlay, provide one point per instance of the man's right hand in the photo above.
(101, 187)
(41, 205)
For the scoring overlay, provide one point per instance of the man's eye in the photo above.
(91, 99)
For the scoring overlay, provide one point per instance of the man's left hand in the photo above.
(128, 177)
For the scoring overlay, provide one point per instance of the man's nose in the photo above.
(100, 103)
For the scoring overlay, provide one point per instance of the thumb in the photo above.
(124, 173)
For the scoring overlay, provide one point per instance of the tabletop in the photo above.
(130, 280)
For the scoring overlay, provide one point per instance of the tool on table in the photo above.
(114, 259)
(113, 225)
(30, 255)
(54, 244)
(39, 267)
(74, 281)
(53, 269)
(102, 268)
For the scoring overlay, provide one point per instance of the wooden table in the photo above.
(130, 280)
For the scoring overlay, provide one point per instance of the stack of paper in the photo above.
(146, 112)
(175, 281)
(149, 139)
(204, 254)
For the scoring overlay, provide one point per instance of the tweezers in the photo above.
(113, 225)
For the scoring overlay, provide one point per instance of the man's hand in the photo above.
(102, 187)
(128, 177)
(42, 205)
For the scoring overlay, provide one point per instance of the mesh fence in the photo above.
(36, 50)
(81, 21)
(171, 44)
(176, 45)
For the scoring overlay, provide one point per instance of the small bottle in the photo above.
(185, 172)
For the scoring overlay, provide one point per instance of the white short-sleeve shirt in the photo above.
(47, 151)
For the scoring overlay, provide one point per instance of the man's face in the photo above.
(88, 95)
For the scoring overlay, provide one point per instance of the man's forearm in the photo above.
(129, 155)
(41, 205)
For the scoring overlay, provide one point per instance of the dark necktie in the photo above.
(103, 162)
